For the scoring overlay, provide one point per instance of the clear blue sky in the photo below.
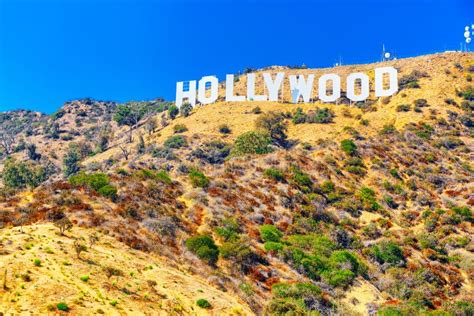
(52, 51)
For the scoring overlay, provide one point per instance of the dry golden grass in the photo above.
(149, 285)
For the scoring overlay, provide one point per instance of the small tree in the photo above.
(93, 239)
(125, 152)
(129, 115)
(274, 124)
(150, 125)
(71, 161)
(32, 154)
(64, 224)
(79, 247)
(141, 145)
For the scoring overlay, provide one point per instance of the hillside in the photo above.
(258, 207)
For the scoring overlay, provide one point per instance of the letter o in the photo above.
(336, 87)
(364, 89)
(202, 90)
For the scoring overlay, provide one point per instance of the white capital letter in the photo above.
(364, 86)
(336, 88)
(229, 90)
(190, 94)
(251, 90)
(392, 74)
(301, 87)
(202, 89)
(273, 86)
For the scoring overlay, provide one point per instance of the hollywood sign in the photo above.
(357, 87)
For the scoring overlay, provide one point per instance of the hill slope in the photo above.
(308, 208)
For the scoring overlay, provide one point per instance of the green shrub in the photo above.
(204, 247)
(322, 116)
(84, 278)
(403, 108)
(198, 179)
(203, 303)
(256, 110)
(224, 129)
(295, 299)
(229, 229)
(338, 277)
(273, 246)
(251, 143)
(18, 175)
(176, 141)
(299, 117)
(37, 262)
(275, 174)
(62, 307)
(270, 233)
(274, 125)
(108, 191)
(301, 179)
(388, 129)
(173, 111)
(367, 195)
(328, 187)
(186, 109)
(388, 252)
(349, 147)
(180, 128)
(467, 93)
(421, 103)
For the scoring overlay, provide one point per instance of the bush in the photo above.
(108, 191)
(388, 252)
(176, 141)
(349, 147)
(98, 182)
(180, 128)
(62, 307)
(204, 247)
(322, 116)
(403, 108)
(337, 278)
(198, 179)
(173, 111)
(421, 103)
(369, 201)
(84, 278)
(224, 129)
(18, 175)
(256, 110)
(467, 93)
(270, 233)
(186, 109)
(275, 174)
(37, 262)
(252, 143)
(203, 303)
(213, 152)
(388, 129)
(301, 179)
(296, 299)
(299, 117)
